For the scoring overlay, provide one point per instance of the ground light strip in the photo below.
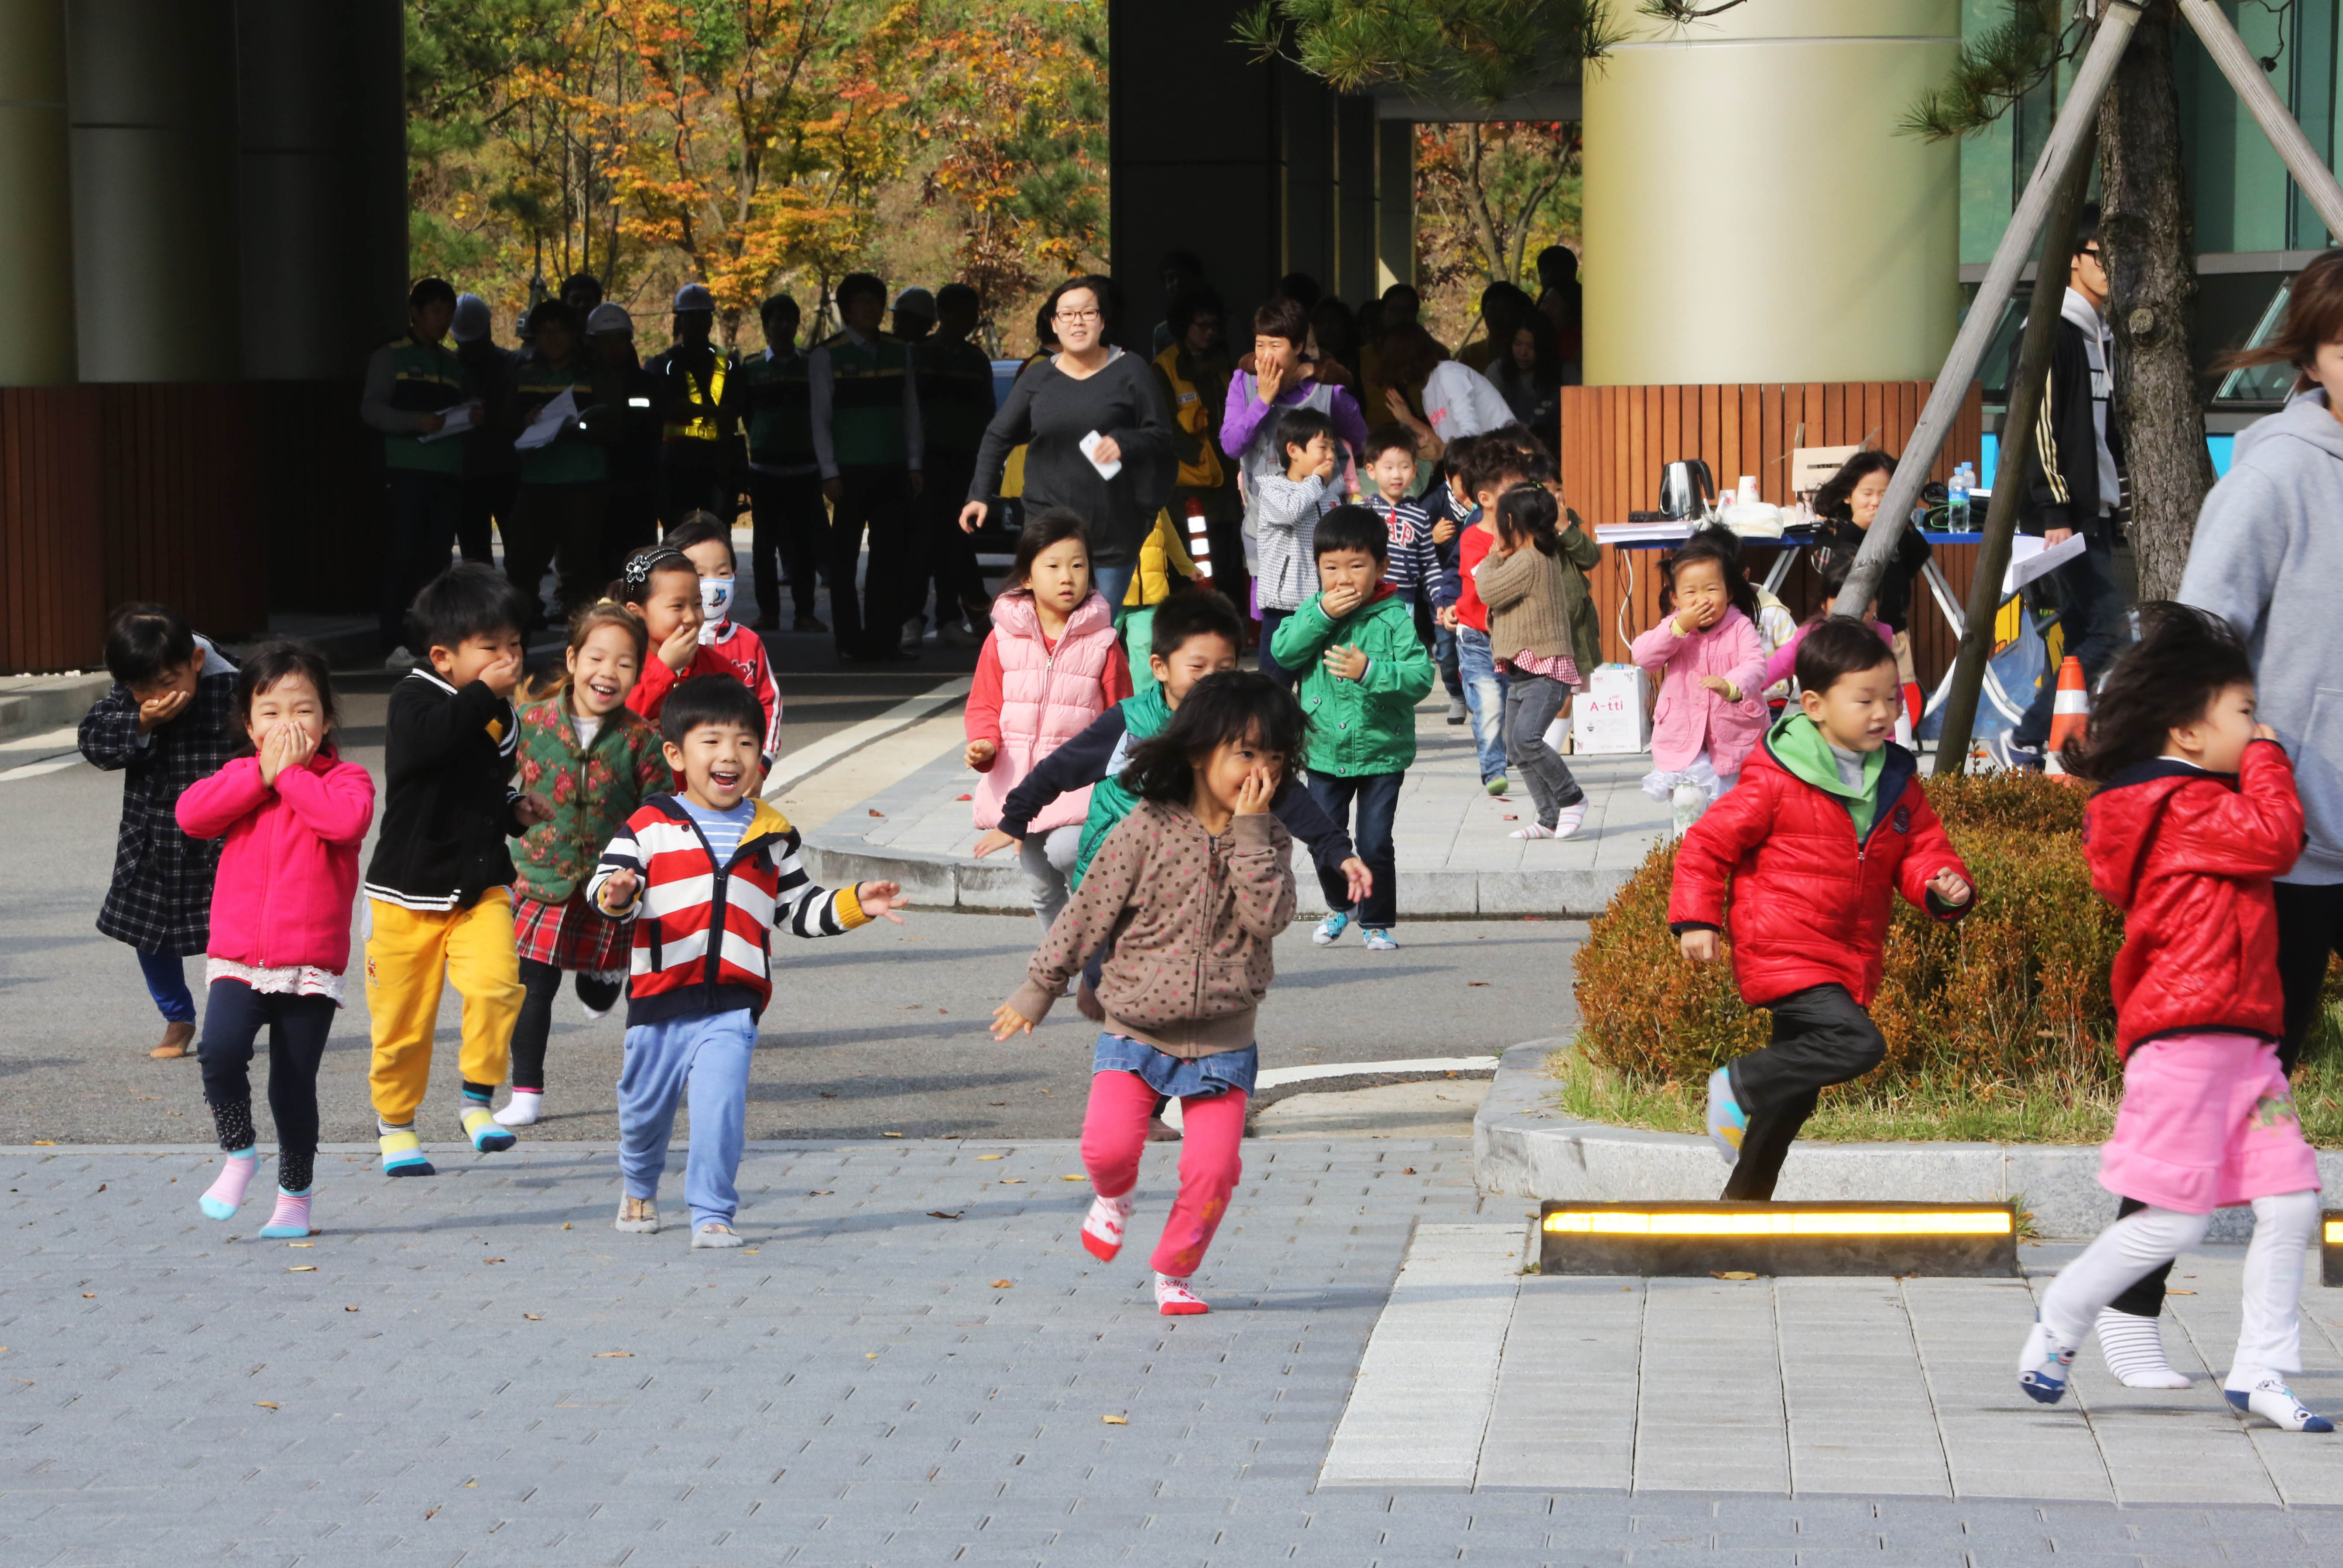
(2335, 1232)
(1851, 1222)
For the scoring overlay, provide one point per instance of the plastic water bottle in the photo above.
(1956, 501)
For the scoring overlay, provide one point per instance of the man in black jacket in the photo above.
(2076, 484)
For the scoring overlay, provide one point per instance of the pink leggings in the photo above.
(1212, 1130)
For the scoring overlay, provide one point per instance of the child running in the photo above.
(1051, 666)
(660, 585)
(1712, 667)
(293, 815)
(1191, 890)
(1284, 514)
(1364, 669)
(705, 877)
(1414, 560)
(1534, 594)
(596, 760)
(2195, 812)
(167, 721)
(1828, 824)
(707, 543)
(438, 889)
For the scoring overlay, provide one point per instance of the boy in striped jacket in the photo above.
(707, 876)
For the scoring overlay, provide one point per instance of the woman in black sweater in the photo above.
(1086, 385)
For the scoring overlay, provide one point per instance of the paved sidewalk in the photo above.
(1455, 857)
(915, 1363)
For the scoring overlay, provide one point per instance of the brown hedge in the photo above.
(2017, 992)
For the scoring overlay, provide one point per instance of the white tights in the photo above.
(2270, 1339)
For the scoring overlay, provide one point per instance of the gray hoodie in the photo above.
(2268, 554)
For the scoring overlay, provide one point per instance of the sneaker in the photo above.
(1457, 713)
(2010, 756)
(1496, 786)
(1330, 928)
(2270, 1399)
(522, 1110)
(915, 630)
(1726, 1120)
(398, 661)
(638, 1216)
(1103, 1227)
(808, 623)
(2042, 1366)
(717, 1233)
(1379, 940)
(958, 634)
(1173, 1298)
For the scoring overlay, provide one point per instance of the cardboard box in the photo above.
(1612, 717)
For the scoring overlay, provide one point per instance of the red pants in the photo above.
(1211, 1131)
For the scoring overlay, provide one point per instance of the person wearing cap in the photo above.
(791, 525)
(867, 442)
(581, 291)
(695, 458)
(564, 482)
(491, 468)
(625, 419)
(955, 383)
(415, 388)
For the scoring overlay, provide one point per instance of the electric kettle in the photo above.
(1687, 489)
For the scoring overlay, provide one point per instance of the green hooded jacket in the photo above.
(1799, 745)
(1363, 727)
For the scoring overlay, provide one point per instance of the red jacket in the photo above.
(739, 653)
(1810, 905)
(2188, 857)
(290, 871)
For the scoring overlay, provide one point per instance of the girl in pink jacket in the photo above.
(1712, 667)
(1052, 665)
(294, 815)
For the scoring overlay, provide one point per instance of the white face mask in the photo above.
(715, 600)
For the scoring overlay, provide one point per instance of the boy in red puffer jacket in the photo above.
(1827, 822)
(2195, 813)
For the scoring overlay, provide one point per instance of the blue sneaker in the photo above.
(1726, 1120)
(2042, 1366)
(1330, 928)
(1379, 941)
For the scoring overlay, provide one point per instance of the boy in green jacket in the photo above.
(1364, 669)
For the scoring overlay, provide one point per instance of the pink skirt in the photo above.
(2206, 1122)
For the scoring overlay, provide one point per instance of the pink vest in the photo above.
(1046, 700)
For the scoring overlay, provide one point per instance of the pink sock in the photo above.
(226, 1194)
(291, 1218)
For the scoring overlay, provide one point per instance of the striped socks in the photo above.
(402, 1151)
(225, 1196)
(291, 1219)
(2134, 1347)
(480, 1125)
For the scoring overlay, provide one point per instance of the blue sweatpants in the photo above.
(705, 1056)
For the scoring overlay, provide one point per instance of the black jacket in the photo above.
(2063, 489)
(1840, 537)
(160, 900)
(448, 804)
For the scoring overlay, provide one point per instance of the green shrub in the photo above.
(2013, 999)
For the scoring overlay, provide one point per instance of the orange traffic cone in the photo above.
(2069, 717)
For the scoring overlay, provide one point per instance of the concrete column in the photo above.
(1306, 121)
(1753, 212)
(1395, 205)
(1358, 195)
(36, 302)
(321, 177)
(151, 88)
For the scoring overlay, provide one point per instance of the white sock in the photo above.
(1533, 830)
(1569, 819)
(2122, 1252)
(2269, 1339)
(523, 1108)
(2134, 1347)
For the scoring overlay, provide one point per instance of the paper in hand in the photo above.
(547, 425)
(2030, 559)
(1089, 444)
(454, 422)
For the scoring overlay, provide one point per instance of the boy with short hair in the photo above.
(1364, 669)
(168, 721)
(437, 886)
(1286, 509)
(706, 544)
(708, 875)
(1827, 821)
(1413, 562)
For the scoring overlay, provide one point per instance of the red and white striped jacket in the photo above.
(704, 932)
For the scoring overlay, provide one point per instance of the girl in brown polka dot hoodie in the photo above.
(1186, 895)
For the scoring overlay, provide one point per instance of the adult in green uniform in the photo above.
(491, 468)
(955, 380)
(625, 419)
(414, 388)
(696, 459)
(791, 521)
(867, 441)
(564, 482)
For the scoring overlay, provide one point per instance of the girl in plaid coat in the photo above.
(169, 720)
(596, 759)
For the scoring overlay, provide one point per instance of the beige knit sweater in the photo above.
(1538, 603)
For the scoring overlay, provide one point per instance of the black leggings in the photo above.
(543, 989)
(298, 1027)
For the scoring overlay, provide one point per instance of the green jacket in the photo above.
(571, 458)
(1800, 746)
(1363, 727)
(1144, 715)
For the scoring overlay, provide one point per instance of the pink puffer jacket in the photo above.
(290, 873)
(1689, 717)
(1047, 697)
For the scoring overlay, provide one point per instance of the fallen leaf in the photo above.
(823, 1192)
(1077, 1177)
(607, 1355)
(1003, 1284)
(2173, 1292)
(871, 1355)
(1116, 1420)
(965, 796)
(300, 1243)
(471, 1483)
(940, 1214)
(1735, 1274)
(825, 1094)
(349, 1309)
(893, 1135)
(996, 1102)
(564, 1224)
(1407, 1169)
(534, 1317)
(492, 1260)
(433, 1509)
(89, 1296)
(45, 1143)
(992, 1157)
(1474, 983)
(265, 1404)
(1012, 1182)
(1510, 817)
(302, 1268)
(877, 813)
(101, 1187)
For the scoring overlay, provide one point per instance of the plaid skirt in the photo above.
(570, 936)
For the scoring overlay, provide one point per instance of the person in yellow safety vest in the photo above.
(1194, 374)
(699, 396)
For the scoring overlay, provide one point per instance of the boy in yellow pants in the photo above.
(436, 889)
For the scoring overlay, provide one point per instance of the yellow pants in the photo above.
(407, 956)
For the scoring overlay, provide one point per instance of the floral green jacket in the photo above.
(593, 789)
